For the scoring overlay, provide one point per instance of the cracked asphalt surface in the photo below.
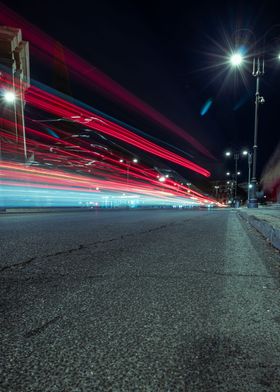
(153, 300)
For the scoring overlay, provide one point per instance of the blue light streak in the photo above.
(26, 197)
(53, 133)
(206, 107)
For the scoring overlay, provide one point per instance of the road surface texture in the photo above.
(155, 300)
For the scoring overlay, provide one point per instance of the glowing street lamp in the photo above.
(216, 190)
(257, 72)
(243, 153)
(228, 153)
(236, 59)
(9, 96)
(162, 179)
(128, 164)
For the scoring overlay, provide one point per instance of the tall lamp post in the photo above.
(128, 164)
(236, 60)
(236, 156)
(7, 97)
(249, 155)
(258, 71)
(237, 173)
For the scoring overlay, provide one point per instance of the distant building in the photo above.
(14, 79)
(271, 176)
(222, 191)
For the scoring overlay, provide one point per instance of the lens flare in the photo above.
(236, 59)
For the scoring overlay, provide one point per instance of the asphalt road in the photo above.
(155, 300)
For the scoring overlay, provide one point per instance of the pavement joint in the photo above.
(41, 328)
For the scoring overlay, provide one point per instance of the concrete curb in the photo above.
(271, 233)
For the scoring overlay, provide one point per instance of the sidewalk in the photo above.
(266, 220)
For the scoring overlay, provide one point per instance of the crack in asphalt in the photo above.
(41, 328)
(22, 264)
(121, 237)
(81, 246)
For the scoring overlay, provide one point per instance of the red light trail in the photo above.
(44, 45)
(100, 171)
(61, 108)
(110, 174)
(19, 175)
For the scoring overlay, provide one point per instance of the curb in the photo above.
(271, 233)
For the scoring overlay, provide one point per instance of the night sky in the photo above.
(172, 56)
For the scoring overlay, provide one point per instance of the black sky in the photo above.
(164, 53)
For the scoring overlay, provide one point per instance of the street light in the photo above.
(248, 154)
(128, 164)
(236, 156)
(216, 191)
(257, 72)
(236, 59)
(9, 96)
